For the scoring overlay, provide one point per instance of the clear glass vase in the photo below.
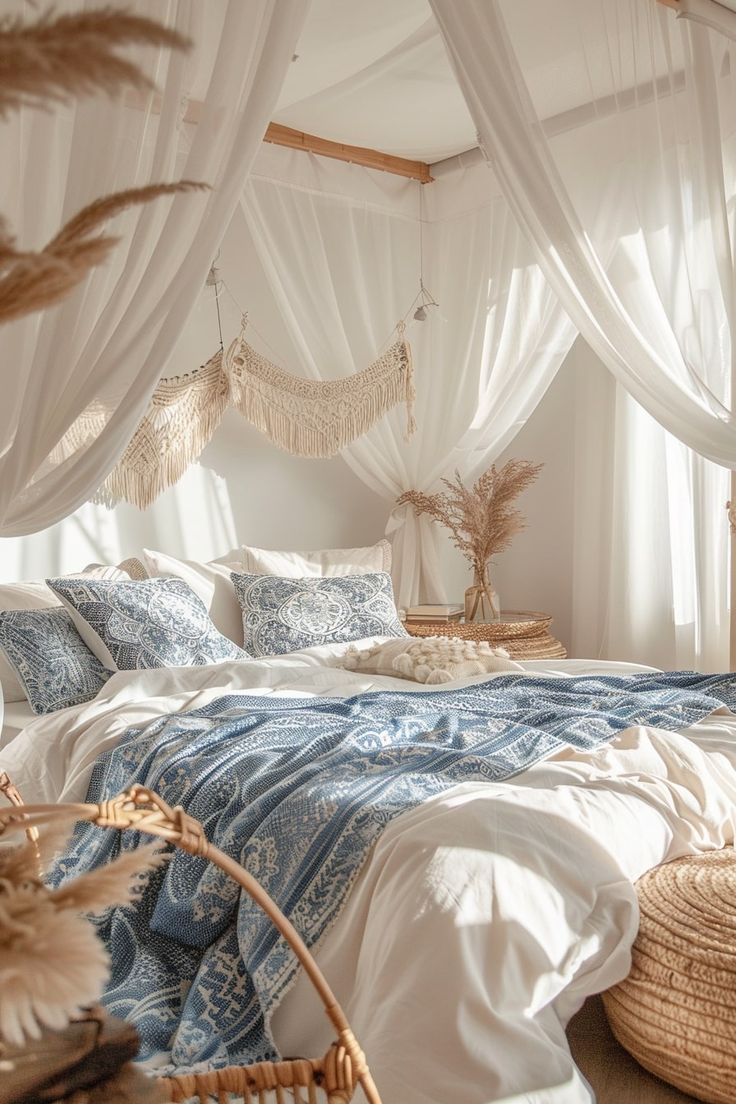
(481, 600)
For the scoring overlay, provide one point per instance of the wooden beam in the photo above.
(674, 4)
(296, 139)
(356, 155)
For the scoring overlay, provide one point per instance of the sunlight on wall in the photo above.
(193, 520)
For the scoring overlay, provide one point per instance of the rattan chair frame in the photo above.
(141, 810)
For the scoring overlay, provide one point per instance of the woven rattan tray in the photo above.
(525, 635)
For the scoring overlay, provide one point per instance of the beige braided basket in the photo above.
(332, 1078)
(676, 1011)
(525, 638)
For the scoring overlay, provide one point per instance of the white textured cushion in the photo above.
(323, 563)
(432, 659)
(211, 582)
(35, 595)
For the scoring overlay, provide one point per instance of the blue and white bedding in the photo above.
(470, 851)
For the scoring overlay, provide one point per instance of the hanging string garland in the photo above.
(310, 418)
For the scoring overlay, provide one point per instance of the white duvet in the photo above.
(483, 918)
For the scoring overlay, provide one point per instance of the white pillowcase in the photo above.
(36, 595)
(323, 563)
(432, 659)
(211, 582)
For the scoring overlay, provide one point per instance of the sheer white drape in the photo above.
(659, 374)
(659, 97)
(112, 338)
(344, 268)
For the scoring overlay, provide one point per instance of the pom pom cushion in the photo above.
(283, 615)
(150, 623)
(432, 660)
(54, 665)
(326, 563)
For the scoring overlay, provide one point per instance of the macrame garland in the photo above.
(310, 418)
(317, 418)
(184, 413)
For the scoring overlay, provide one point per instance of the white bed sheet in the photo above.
(483, 918)
(16, 715)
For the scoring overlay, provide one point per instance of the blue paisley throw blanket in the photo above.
(298, 790)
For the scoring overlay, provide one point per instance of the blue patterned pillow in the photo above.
(54, 665)
(148, 623)
(284, 615)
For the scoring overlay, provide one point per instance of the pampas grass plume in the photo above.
(51, 962)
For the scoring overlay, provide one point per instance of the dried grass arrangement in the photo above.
(483, 521)
(53, 60)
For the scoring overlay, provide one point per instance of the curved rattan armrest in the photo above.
(144, 811)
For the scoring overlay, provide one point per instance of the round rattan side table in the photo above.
(525, 634)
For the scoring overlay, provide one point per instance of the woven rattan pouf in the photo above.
(676, 1011)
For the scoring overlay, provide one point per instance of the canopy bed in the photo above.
(459, 851)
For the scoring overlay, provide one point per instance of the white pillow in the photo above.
(32, 596)
(323, 563)
(432, 660)
(211, 582)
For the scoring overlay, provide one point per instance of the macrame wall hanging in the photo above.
(311, 418)
(317, 418)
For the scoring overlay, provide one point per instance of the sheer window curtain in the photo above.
(111, 339)
(660, 93)
(343, 269)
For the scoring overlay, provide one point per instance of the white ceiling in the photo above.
(376, 74)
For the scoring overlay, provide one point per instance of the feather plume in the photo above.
(34, 281)
(59, 57)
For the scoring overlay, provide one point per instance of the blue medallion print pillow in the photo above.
(144, 624)
(284, 615)
(54, 665)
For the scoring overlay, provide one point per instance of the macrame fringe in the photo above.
(185, 411)
(311, 418)
(317, 418)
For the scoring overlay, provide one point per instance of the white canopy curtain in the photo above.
(662, 379)
(111, 340)
(343, 268)
(659, 317)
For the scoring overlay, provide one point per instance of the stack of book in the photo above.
(423, 614)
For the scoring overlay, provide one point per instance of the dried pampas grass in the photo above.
(52, 60)
(63, 56)
(51, 961)
(34, 281)
(482, 519)
(51, 965)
